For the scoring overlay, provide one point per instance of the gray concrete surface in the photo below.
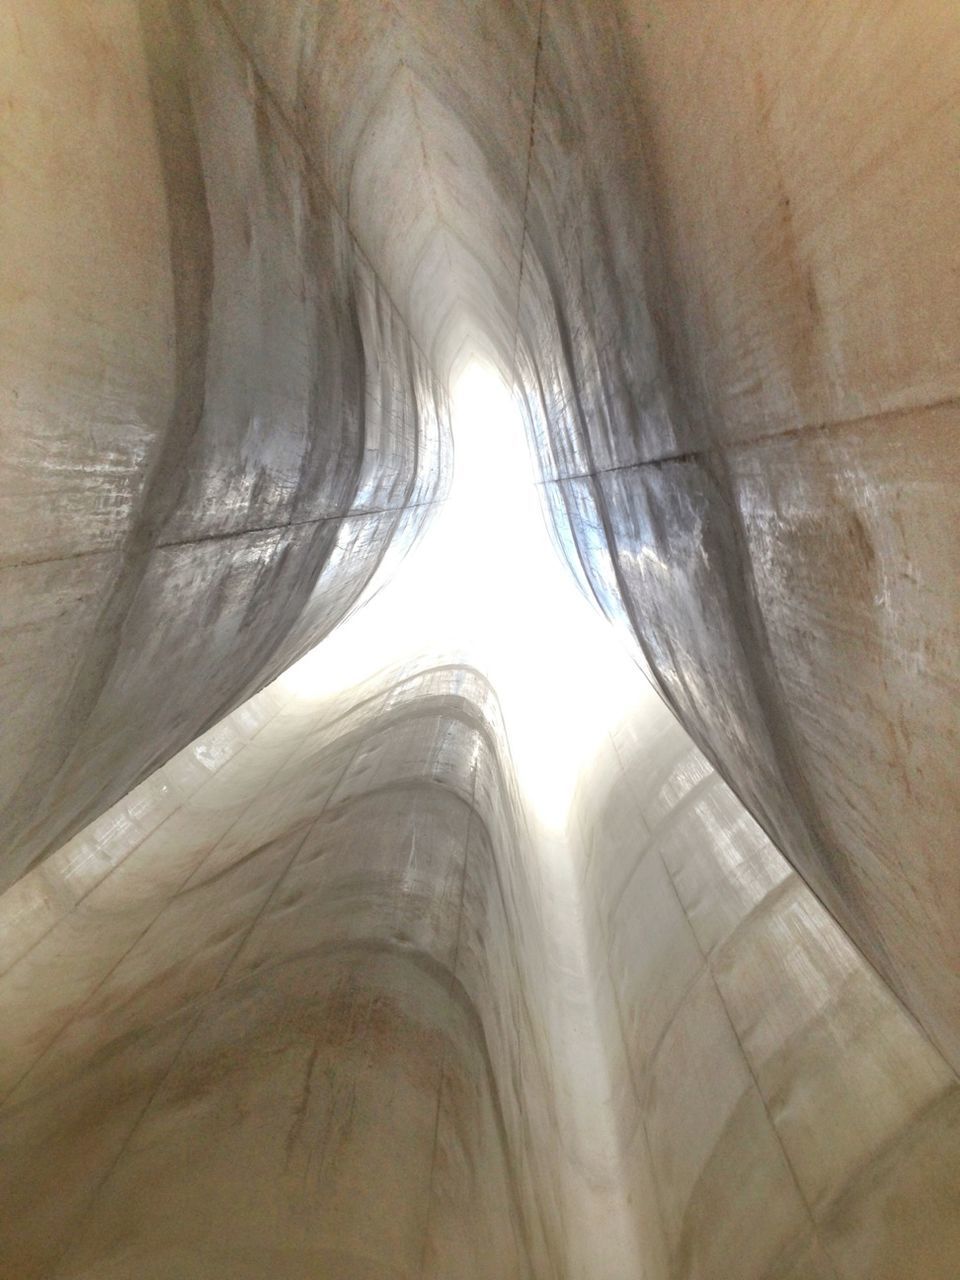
(215, 420)
(244, 249)
(243, 244)
(324, 998)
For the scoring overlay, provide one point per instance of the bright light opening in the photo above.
(485, 583)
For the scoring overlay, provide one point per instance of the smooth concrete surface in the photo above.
(323, 998)
(714, 247)
(296, 1030)
(249, 1025)
(215, 421)
(739, 344)
(773, 1100)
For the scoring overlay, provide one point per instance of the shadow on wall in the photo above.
(292, 1005)
(710, 248)
(295, 1025)
(780, 1113)
(219, 421)
(738, 354)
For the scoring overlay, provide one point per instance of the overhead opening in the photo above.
(485, 583)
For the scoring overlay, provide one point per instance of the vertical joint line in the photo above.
(526, 187)
(443, 1056)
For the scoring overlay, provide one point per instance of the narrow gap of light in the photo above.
(485, 583)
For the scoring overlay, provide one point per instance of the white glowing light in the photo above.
(485, 582)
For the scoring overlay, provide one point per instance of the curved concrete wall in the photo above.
(245, 246)
(738, 347)
(713, 248)
(296, 1030)
(778, 1113)
(215, 420)
(320, 998)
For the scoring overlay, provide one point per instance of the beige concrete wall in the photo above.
(782, 1111)
(213, 417)
(738, 346)
(713, 248)
(322, 998)
(288, 1020)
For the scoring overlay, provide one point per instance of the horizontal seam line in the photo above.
(789, 433)
(234, 533)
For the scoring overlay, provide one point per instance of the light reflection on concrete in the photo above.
(484, 583)
(449, 955)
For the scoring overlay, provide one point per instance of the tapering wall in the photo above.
(214, 423)
(738, 349)
(713, 246)
(779, 1115)
(320, 998)
(297, 1028)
